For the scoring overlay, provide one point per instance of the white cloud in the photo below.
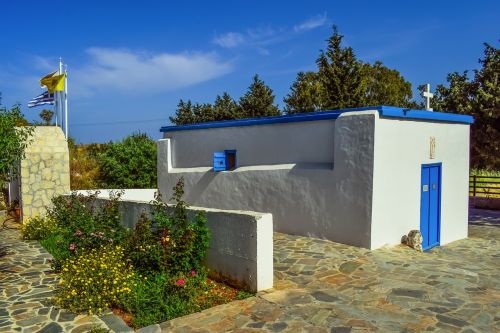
(125, 71)
(267, 35)
(229, 40)
(312, 23)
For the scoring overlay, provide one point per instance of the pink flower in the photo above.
(78, 233)
(72, 247)
(192, 273)
(180, 282)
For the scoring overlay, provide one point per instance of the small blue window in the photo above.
(219, 161)
(225, 160)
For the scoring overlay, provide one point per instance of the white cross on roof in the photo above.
(427, 95)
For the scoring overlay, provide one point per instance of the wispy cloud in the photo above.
(230, 40)
(267, 35)
(251, 37)
(312, 23)
(121, 70)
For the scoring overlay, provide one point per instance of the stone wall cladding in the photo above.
(44, 170)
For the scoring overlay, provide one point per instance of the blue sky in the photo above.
(129, 63)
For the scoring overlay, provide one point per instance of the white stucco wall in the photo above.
(304, 142)
(140, 194)
(401, 147)
(314, 177)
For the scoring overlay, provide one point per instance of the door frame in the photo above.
(440, 184)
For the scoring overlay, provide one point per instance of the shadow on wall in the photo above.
(198, 189)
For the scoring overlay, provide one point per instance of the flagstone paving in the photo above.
(320, 286)
(25, 281)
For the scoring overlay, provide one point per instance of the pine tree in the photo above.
(342, 81)
(203, 113)
(341, 75)
(226, 108)
(307, 94)
(258, 100)
(184, 113)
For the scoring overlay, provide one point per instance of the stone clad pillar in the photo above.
(44, 171)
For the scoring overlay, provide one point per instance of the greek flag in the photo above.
(42, 99)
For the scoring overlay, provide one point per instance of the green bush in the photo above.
(170, 243)
(38, 228)
(57, 245)
(130, 163)
(185, 243)
(95, 280)
(144, 249)
(163, 297)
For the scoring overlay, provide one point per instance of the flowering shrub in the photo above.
(38, 228)
(169, 243)
(143, 248)
(82, 223)
(185, 243)
(95, 280)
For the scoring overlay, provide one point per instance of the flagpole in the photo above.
(66, 100)
(60, 97)
(55, 105)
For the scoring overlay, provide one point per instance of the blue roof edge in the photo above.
(384, 111)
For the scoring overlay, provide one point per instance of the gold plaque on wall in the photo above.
(432, 148)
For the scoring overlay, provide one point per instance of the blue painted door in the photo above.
(430, 202)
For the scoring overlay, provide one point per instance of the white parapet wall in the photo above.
(241, 247)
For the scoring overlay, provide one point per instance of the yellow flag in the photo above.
(53, 82)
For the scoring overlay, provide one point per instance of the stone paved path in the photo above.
(320, 286)
(25, 277)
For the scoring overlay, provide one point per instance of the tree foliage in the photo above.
(15, 136)
(307, 94)
(385, 86)
(340, 74)
(257, 102)
(226, 108)
(479, 97)
(46, 116)
(342, 81)
(130, 163)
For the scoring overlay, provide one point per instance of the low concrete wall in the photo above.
(134, 194)
(241, 247)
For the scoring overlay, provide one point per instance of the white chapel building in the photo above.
(363, 176)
